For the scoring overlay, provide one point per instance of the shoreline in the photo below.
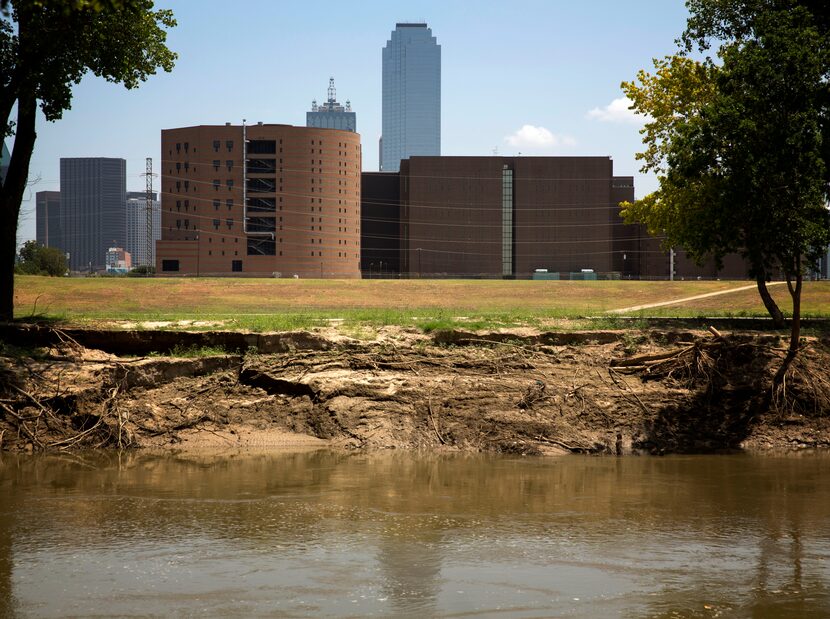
(515, 391)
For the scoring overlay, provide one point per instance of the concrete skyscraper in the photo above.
(93, 212)
(331, 115)
(48, 219)
(411, 95)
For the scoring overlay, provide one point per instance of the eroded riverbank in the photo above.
(522, 392)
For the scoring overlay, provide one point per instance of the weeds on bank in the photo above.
(192, 352)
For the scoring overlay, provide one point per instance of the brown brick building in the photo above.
(499, 216)
(507, 217)
(260, 200)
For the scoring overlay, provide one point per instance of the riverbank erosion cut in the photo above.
(518, 392)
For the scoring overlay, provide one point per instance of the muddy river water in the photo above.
(322, 533)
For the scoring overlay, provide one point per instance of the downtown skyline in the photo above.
(534, 78)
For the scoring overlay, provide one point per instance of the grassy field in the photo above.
(275, 304)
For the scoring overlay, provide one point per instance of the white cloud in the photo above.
(617, 112)
(533, 138)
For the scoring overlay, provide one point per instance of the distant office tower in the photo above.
(48, 219)
(93, 213)
(4, 162)
(137, 228)
(411, 96)
(331, 115)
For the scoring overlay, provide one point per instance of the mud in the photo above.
(517, 392)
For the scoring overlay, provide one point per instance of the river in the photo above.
(326, 533)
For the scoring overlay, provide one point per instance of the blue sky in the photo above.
(530, 76)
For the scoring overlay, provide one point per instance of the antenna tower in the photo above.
(148, 208)
(332, 91)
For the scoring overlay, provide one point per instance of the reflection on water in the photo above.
(329, 533)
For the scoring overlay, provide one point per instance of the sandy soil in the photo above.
(516, 391)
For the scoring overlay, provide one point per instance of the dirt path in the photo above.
(637, 308)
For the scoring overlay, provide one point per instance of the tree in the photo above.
(36, 259)
(740, 160)
(674, 99)
(46, 47)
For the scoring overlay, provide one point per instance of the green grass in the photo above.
(361, 306)
(192, 352)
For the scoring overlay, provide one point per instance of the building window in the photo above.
(257, 225)
(229, 203)
(216, 184)
(186, 185)
(216, 146)
(261, 166)
(178, 166)
(216, 164)
(186, 146)
(261, 247)
(178, 205)
(229, 223)
(178, 186)
(262, 185)
(186, 205)
(236, 266)
(262, 205)
(178, 147)
(229, 145)
(216, 223)
(507, 221)
(229, 163)
(216, 205)
(179, 224)
(230, 183)
(186, 166)
(170, 265)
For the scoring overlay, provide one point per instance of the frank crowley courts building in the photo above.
(260, 200)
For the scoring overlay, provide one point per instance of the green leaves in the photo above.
(58, 42)
(35, 259)
(737, 144)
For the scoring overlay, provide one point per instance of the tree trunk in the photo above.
(8, 244)
(795, 329)
(769, 302)
(11, 195)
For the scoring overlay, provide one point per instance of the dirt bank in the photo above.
(516, 392)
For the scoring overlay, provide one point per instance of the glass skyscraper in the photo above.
(411, 95)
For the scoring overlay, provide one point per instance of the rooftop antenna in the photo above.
(332, 92)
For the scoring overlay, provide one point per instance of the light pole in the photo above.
(671, 264)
